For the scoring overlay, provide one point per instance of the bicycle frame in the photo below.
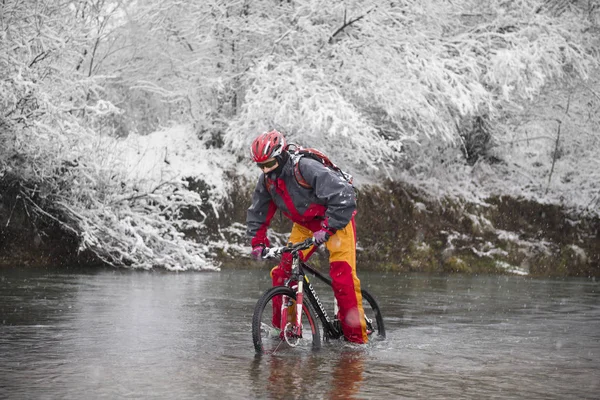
(298, 290)
(299, 283)
(331, 329)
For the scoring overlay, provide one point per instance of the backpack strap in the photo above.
(296, 154)
(298, 175)
(268, 183)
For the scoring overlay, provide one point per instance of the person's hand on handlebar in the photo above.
(271, 252)
(261, 252)
(258, 252)
(322, 236)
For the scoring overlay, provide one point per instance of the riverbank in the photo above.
(398, 229)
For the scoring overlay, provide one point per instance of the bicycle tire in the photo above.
(263, 309)
(375, 312)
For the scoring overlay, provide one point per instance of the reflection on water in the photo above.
(128, 334)
(335, 372)
(347, 375)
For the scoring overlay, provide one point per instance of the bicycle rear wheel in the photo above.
(267, 338)
(375, 326)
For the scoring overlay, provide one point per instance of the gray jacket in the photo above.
(329, 203)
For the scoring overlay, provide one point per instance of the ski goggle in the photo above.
(267, 164)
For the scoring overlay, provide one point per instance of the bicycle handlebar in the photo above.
(273, 252)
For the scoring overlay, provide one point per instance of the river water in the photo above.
(108, 334)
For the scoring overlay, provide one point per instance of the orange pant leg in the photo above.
(346, 285)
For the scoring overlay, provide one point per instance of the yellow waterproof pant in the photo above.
(346, 285)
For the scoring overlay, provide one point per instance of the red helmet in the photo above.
(267, 145)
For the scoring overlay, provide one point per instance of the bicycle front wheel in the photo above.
(267, 334)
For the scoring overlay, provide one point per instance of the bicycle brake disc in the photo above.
(290, 338)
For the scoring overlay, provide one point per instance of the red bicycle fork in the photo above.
(295, 330)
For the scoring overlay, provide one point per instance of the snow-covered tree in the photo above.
(357, 79)
(357, 76)
(401, 87)
(63, 170)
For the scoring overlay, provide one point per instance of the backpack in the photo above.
(297, 152)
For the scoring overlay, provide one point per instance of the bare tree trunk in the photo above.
(555, 152)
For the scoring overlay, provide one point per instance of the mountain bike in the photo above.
(299, 326)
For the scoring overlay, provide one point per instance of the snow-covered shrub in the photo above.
(69, 173)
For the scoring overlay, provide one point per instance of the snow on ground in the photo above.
(174, 153)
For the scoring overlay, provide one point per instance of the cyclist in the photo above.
(324, 211)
